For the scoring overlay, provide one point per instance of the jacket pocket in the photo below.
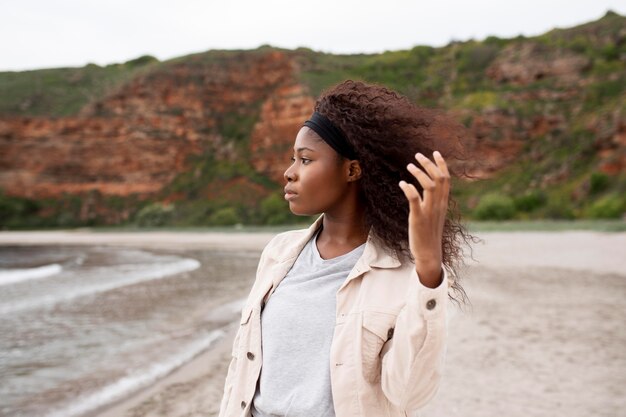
(245, 315)
(377, 330)
(244, 329)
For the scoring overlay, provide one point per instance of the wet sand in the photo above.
(544, 334)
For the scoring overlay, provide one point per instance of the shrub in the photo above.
(275, 210)
(142, 60)
(476, 57)
(610, 52)
(494, 206)
(602, 91)
(65, 218)
(494, 40)
(598, 182)
(559, 208)
(529, 201)
(609, 207)
(12, 208)
(580, 45)
(156, 214)
(422, 53)
(226, 216)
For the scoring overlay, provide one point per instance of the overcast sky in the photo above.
(60, 33)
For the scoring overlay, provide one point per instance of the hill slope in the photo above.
(204, 139)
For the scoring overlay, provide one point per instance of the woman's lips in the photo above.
(289, 195)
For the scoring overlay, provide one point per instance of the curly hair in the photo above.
(386, 130)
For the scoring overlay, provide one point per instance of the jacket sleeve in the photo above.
(412, 362)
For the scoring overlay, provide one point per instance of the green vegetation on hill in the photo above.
(556, 175)
(63, 91)
(455, 77)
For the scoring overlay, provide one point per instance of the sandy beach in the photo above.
(544, 334)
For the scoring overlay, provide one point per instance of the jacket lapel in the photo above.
(285, 255)
(374, 256)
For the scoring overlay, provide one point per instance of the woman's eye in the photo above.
(305, 161)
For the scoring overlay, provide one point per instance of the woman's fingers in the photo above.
(428, 185)
(434, 177)
(427, 213)
(441, 163)
(411, 194)
(434, 171)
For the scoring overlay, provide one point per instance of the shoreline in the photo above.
(160, 240)
(525, 288)
(586, 250)
(204, 370)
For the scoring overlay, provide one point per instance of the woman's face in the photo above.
(317, 180)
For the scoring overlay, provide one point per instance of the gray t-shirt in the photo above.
(297, 327)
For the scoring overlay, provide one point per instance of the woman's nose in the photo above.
(289, 175)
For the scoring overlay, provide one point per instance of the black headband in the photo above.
(331, 134)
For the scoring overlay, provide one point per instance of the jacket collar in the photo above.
(373, 255)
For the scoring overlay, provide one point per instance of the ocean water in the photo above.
(81, 327)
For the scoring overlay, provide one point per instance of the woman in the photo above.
(348, 317)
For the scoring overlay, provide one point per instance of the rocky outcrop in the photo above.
(47, 157)
(273, 136)
(216, 126)
(610, 143)
(528, 62)
(136, 140)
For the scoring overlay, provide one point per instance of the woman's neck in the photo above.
(343, 230)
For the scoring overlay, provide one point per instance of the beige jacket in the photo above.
(389, 342)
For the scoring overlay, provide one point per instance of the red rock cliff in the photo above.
(138, 138)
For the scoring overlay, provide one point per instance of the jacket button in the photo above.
(243, 404)
(389, 333)
(431, 304)
(250, 355)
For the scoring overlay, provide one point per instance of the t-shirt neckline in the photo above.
(336, 258)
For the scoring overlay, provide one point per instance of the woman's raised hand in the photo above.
(427, 215)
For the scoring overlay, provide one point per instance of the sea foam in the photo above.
(141, 379)
(122, 275)
(14, 276)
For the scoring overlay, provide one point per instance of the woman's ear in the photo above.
(354, 171)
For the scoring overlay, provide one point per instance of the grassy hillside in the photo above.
(455, 77)
(558, 174)
(63, 91)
